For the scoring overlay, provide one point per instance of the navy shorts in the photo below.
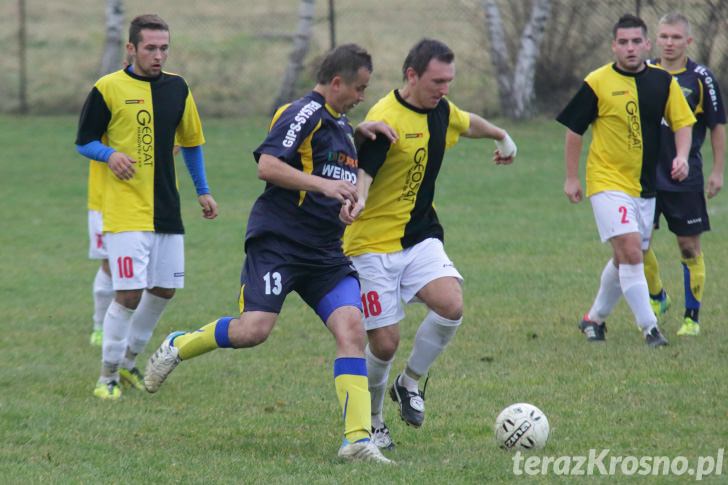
(276, 266)
(685, 212)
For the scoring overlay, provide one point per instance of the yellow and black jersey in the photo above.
(626, 111)
(399, 211)
(140, 117)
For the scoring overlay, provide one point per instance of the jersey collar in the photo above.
(630, 74)
(409, 106)
(134, 75)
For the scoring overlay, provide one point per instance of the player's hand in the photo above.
(680, 169)
(122, 165)
(715, 183)
(209, 206)
(349, 211)
(340, 190)
(499, 159)
(572, 189)
(369, 130)
(506, 147)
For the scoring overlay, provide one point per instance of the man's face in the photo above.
(150, 53)
(349, 94)
(630, 47)
(673, 41)
(429, 88)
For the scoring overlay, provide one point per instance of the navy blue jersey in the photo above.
(311, 137)
(703, 95)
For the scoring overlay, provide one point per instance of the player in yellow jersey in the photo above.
(683, 203)
(130, 121)
(625, 102)
(395, 239)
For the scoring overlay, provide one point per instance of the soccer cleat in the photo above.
(381, 438)
(660, 305)
(108, 390)
(411, 404)
(595, 332)
(363, 450)
(161, 363)
(655, 339)
(689, 328)
(97, 338)
(131, 378)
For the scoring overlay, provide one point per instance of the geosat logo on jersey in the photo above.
(340, 166)
(145, 138)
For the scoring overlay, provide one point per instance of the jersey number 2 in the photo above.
(274, 278)
(623, 211)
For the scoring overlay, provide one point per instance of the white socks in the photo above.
(116, 327)
(432, 337)
(142, 326)
(608, 295)
(378, 371)
(634, 287)
(103, 293)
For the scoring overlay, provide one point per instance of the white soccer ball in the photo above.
(521, 426)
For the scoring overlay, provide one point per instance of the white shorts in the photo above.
(617, 213)
(96, 244)
(141, 260)
(391, 280)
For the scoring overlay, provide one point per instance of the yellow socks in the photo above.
(212, 336)
(350, 379)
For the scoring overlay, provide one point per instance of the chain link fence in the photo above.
(234, 52)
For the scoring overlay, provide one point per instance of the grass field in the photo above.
(531, 262)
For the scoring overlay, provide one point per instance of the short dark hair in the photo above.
(423, 52)
(629, 21)
(147, 21)
(345, 61)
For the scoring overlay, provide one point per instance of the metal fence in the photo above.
(234, 52)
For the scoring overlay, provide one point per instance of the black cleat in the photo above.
(411, 404)
(655, 339)
(594, 331)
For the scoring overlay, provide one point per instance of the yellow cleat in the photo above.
(108, 390)
(660, 307)
(689, 328)
(97, 338)
(131, 379)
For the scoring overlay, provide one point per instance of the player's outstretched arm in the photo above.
(367, 130)
(278, 172)
(717, 140)
(506, 149)
(572, 152)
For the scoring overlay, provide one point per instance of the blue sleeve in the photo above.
(196, 167)
(95, 150)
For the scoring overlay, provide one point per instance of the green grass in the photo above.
(531, 262)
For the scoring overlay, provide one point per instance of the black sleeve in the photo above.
(581, 110)
(372, 154)
(95, 117)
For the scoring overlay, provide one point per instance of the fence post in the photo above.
(332, 24)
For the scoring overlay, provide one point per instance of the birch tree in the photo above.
(515, 74)
(111, 58)
(301, 42)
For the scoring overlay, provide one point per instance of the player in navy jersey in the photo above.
(293, 242)
(683, 203)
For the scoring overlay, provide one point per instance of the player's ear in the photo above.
(130, 49)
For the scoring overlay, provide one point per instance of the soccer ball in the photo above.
(521, 426)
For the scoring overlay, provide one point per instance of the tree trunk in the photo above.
(498, 53)
(301, 43)
(111, 58)
(533, 33)
(515, 86)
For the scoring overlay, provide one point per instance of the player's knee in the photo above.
(450, 308)
(166, 293)
(128, 298)
(384, 347)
